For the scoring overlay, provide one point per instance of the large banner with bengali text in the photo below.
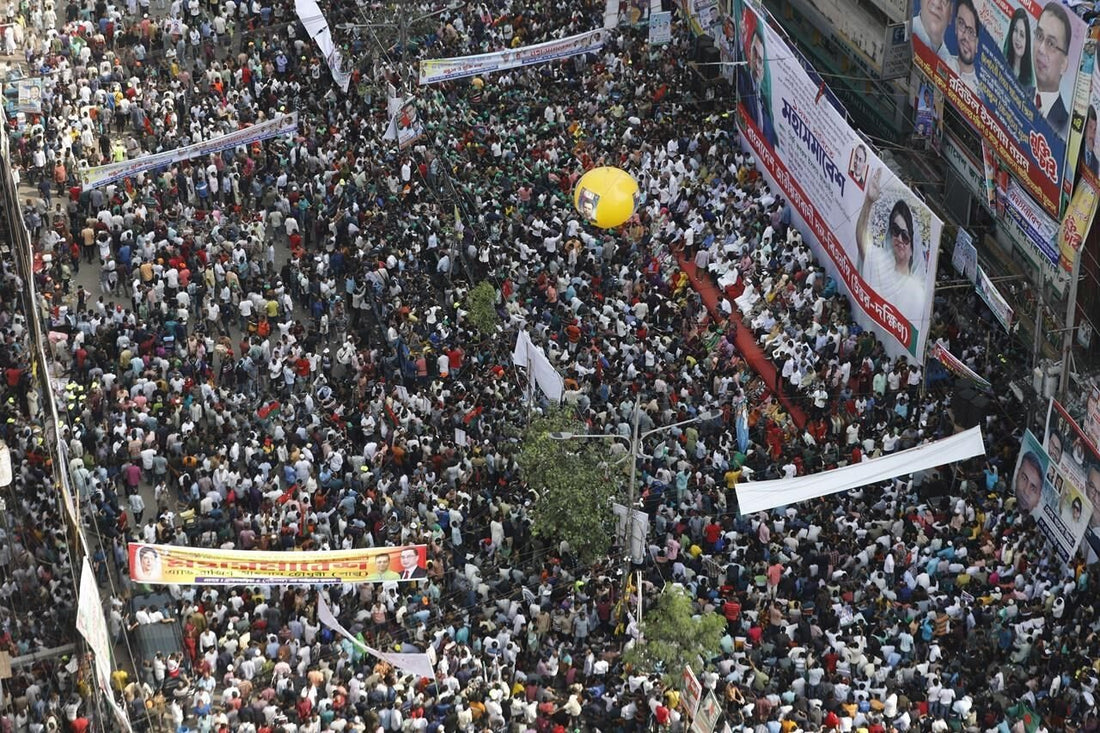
(433, 71)
(867, 227)
(1010, 67)
(172, 565)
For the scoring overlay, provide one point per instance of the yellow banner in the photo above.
(171, 565)
(1077, 220)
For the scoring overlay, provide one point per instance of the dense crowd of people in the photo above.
(278, 354)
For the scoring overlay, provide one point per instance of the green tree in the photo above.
(675, 636)
(481, 310)
(570, 481)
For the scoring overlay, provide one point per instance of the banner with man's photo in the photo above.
(172, 565)
(1086, 192)
(1060, 508)
(1078, 458)
(870, 230)
(1010, 67)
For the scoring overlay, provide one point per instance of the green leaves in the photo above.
(674, 636)
(481, 310)
(572, 489)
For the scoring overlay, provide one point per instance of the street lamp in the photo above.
(635, 444)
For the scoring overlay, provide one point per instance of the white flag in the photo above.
(417, 664)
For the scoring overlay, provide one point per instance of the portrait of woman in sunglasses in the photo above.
(887, 262)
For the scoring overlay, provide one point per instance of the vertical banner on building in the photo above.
(702, 16)
(1075, 454)
(928, 127)
(1010, 67)
(867, 227)
(992, 297)
(1059, 507)
(1082, 100)
(965, 256)
(1037, 226)
(1077, 220)
(1092, 418)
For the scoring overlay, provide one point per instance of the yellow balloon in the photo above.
(606, 196)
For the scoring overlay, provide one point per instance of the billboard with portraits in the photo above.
(1077, 457)
(870, 231)
(1059, 506)
(1010, 67)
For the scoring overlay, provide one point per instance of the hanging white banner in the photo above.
(433, 71)
(92, 625)
(759, 496)
(309, 12)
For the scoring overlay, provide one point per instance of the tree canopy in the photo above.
(571, 484)
(673, 636)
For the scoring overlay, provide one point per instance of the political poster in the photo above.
(1060, 509)
(105, 174)
(928, 125)
(1077, 220)
(660, 28)
(868, 228)
(1082, 207)
(434, 71)
(691, 692)
(965, 256)
(1076, 454)
(30, 96)
(1092, 417)
(172, 565)
(633, 12)
(992, 297)
(405, 127)
(706, 718)
(1010, 67)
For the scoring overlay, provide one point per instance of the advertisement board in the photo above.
(1077, 457)
(867, 228)
(1010, 67)
(1058, 506)
(172, 565)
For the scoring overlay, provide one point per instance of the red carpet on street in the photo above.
(704, 285)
